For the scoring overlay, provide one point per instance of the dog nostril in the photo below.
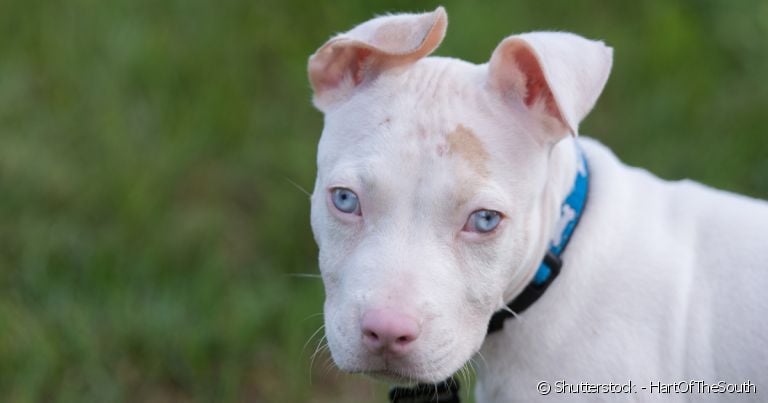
(404, 340)
(371, 335)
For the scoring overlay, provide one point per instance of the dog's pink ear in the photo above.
(352, 58)
(555, 74)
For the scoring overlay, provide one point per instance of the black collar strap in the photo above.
(570, 212)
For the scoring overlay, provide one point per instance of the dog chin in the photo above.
(400, 378)
(403, 377)
(407, 371)
(393, 377)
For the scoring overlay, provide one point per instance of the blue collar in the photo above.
(570, 213)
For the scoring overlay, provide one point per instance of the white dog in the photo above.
(443, 184)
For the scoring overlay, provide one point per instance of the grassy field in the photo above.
(149, 227)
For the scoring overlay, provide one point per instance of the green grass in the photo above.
(148, 224)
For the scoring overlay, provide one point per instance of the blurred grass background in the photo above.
(148, 225)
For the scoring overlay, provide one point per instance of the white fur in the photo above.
(663, 281)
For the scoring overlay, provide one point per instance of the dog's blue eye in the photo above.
(483, 221)
(345, 200)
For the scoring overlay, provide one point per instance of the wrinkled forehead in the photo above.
(429, 104)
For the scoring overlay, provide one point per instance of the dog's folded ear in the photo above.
(557, 75)
(352, 58)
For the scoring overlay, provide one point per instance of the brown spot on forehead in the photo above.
(463, 142)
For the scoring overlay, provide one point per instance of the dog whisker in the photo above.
(297, 186)
(470, 372)
(319, 329)
(328, 367)
(318, 349)
(508, 309)
(314, 315)
(482, 357)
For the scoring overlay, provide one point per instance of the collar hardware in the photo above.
(444, 392)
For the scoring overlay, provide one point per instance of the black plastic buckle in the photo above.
(446, 391)
(554, 263)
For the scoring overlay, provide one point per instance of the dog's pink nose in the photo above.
(387, 330)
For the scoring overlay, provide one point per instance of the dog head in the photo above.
(430, 202)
